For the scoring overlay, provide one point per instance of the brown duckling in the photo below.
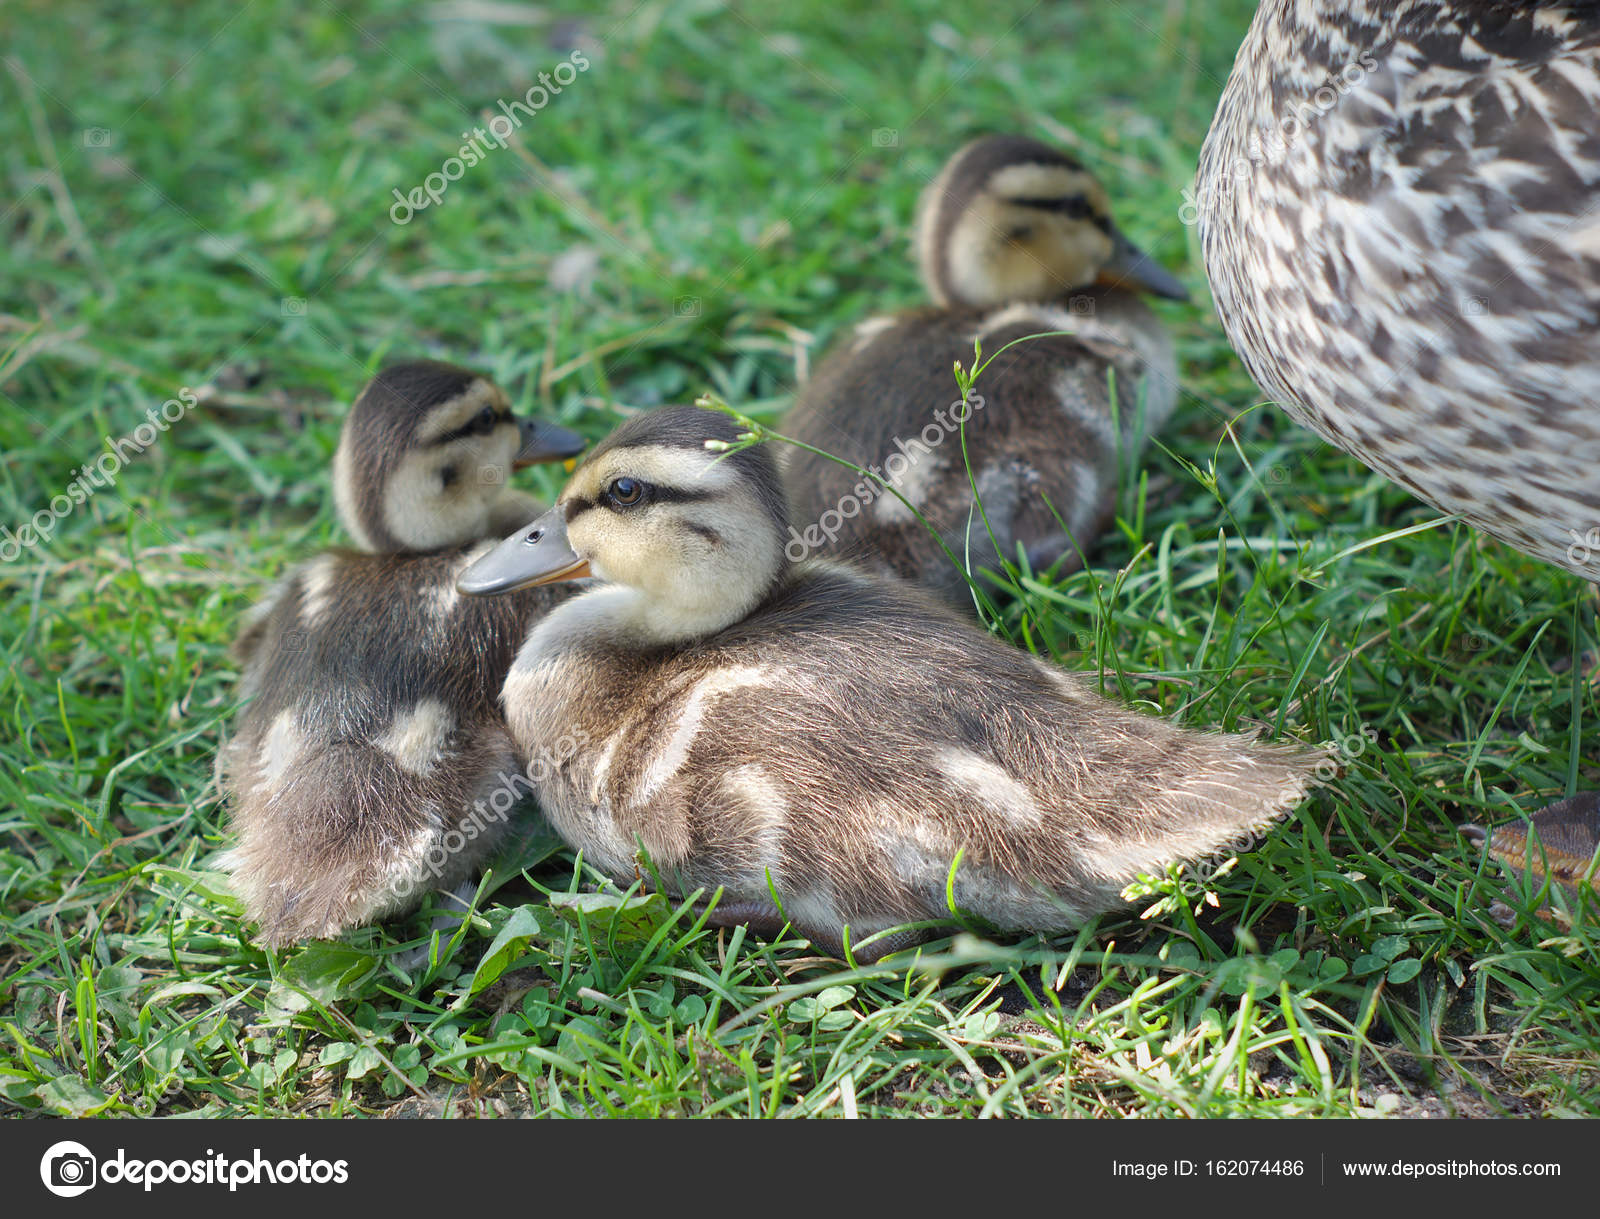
(371, 762)
(1014, 238)
(819, 734)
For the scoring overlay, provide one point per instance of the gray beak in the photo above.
(535, 554)
(1130, 267)
(545, 442)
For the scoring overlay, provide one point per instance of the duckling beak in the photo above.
(536, 554)
(545, 442)
(1131, 267)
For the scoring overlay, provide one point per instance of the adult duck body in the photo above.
(1399, 208)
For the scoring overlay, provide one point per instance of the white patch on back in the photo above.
(916, 479)
(990, 785)
(865, 331)
(1039, 318)
(602, 765)
(318, 585)
(280, 749)
(671, 759)
(445, 597)
(416, 739)
(764, 813)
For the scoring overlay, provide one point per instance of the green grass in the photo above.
(737, 182)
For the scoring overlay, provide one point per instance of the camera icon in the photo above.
(96, 137)
(686, 306)
(68, 1169)
(886, 137)
(294, 641)
(491, 476)
(1475, 306)
(1081, 306)
(293, 306)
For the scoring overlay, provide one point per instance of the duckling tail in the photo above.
(1140, 794)
(349, 836)
(1210, 796)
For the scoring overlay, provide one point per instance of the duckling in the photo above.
(824, 745)
(371, 761)
(1013, 238)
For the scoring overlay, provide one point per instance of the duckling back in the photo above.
(1048, 423)
(372, 763)
(851, 742)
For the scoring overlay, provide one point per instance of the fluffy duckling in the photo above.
(835, 739)
(372, 762)
(1014, 238)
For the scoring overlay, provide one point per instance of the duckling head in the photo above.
(1010, 219)
(697, 535)
(425, 454)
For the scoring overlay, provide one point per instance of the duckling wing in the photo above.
(905, 745)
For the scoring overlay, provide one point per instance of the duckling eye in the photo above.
(486, 419)
(625, 492)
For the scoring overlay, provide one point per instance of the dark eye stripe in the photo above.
(472, 428)
(678, 495)
(655, 494)
(1075, 206)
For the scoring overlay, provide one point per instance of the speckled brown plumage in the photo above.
(1558, 842)
(1409, 260)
